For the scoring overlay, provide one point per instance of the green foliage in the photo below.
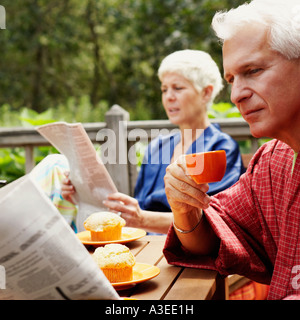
(74, 110)
(12, 162)
(223, 110)
(30, 117)
(106, 50)
(70, 60)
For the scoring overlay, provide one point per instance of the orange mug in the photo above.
(206, 167)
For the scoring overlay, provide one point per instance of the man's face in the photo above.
(265, 85)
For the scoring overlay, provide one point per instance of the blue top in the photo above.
(150, 189)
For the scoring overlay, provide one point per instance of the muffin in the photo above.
(104, 226)
(116, 261)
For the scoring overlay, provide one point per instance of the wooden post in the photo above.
(116, 120)
(29, 157)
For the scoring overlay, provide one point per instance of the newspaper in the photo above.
(87, 172)
(39, 252)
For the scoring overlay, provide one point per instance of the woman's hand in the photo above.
(184, 195)
(67, 189)
(128, 207)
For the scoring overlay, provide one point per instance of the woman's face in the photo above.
(184, 105)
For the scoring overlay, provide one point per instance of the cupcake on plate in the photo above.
(104, 226)
(116, 261)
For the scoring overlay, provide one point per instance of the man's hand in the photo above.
(183, 193)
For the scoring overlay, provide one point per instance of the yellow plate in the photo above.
(128, 234)
(141, 272)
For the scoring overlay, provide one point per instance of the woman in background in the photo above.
(190, 81)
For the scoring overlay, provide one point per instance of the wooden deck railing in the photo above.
(124, 175)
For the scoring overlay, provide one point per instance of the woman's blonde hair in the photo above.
(196, 66)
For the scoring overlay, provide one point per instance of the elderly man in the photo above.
(253, 227)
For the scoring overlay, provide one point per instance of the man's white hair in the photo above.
(196, 66)
(280, 17)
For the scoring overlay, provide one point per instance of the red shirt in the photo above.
(257, 221)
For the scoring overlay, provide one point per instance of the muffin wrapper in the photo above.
(118, 274)
(111, 234)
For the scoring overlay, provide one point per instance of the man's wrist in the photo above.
(191, 229)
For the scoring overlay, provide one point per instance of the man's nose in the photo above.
(239, 92)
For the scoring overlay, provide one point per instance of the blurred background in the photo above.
(71, 60)
(86, 55)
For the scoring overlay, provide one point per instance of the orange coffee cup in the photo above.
(206, 167)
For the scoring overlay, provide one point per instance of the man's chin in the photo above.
(258, 132)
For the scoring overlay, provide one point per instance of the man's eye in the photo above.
(253, 71)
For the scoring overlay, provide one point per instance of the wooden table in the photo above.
(173, 283)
